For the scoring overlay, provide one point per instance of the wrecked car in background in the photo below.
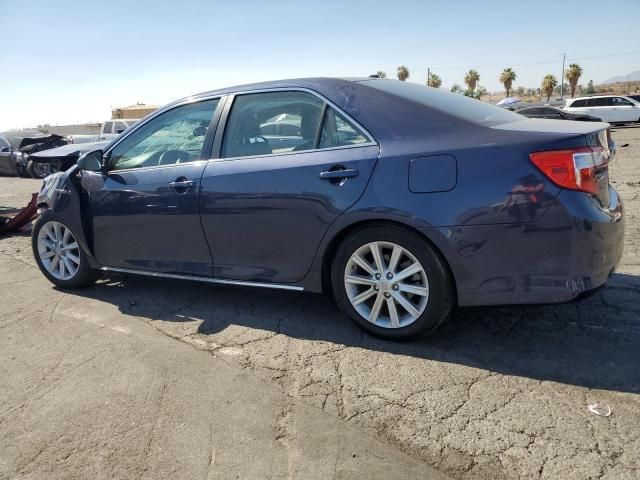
(11, 159)
(16, 152)
(62, 158)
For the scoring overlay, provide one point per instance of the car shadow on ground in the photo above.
(594, 342)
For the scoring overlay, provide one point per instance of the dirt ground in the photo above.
(498, 393)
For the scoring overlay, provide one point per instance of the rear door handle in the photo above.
(182, 185)
(336, 174)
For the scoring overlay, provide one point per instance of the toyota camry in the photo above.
(400, 200)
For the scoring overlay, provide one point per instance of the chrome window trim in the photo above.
(311, 150)
(220, 281)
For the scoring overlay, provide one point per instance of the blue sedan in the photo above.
(400, 200)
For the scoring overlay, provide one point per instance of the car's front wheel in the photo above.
(58, 254)
(391, 282)
(38, 170)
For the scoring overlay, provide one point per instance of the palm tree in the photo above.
(434, 80)
(381, 74)
(471, 79)
(403, 73)
(573, 75)
(507, 77)
(549, 82)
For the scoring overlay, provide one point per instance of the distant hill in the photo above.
(632, 77)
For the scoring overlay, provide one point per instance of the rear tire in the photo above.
(403, 292)
(58, 254)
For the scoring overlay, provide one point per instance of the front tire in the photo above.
(58, 254)
(38, 170)
(391, 282)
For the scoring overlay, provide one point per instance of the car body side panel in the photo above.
(264, 216)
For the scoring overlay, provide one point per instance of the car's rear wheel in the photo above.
(58, 254)
(391, 282)
(38, 170)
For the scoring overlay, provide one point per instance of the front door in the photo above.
(267, 202)
(146, 212)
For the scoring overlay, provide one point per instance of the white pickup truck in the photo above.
(108, 131)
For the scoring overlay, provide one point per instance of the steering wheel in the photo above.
(171, 157)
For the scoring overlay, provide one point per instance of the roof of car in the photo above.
(309, 82)
(597, 96)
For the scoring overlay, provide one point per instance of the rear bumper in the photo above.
(572, 249)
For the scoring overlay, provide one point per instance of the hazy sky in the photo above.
(71, 61)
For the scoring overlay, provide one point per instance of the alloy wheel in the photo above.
(386, 284)
(41, 170)
(58, 250)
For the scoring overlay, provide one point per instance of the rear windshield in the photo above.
(469, 109)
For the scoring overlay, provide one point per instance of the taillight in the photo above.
(574, 169)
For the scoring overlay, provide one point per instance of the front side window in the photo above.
(579, 103)
(272, 122)
(175, 136)
(338, 132)
(107, 127)
(120, 127)
(3, 143)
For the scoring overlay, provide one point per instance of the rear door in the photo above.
(265, 207)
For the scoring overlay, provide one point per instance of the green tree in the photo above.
(481, 92)
(381, 74)
(549, 82)
(434, 80)
(521, 91)
(590, 90)
(572, 75)
(403, 73)
(507, 77)
(471, 79)
(455, 88)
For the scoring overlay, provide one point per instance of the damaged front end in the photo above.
(63, 195)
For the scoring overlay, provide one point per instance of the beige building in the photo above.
(138, 110)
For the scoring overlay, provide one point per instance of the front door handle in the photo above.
(339, 174)
(181, 185)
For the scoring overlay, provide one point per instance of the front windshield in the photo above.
(466, 108)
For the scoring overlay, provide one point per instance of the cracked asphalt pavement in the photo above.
(497, 393)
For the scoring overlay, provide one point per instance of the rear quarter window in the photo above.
(454, 104)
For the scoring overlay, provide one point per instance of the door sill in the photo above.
(220, 281)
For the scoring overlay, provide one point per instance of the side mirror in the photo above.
(5, 149)
(119, 131)
(91, 161)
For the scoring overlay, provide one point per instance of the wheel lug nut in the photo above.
(389, 275)
(377, 276)
(395, 287)
(387, 295)
(376, 288)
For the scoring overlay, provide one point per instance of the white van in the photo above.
(610, 108)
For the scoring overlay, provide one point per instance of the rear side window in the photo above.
(337, 131)
(621, 102)
(466, 108)
(249, 131)
(107, 127)
(579, 103)
(3, 143)
(600, 102)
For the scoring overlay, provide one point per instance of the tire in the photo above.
(45, 255)
(38, 170)
(432, 283)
